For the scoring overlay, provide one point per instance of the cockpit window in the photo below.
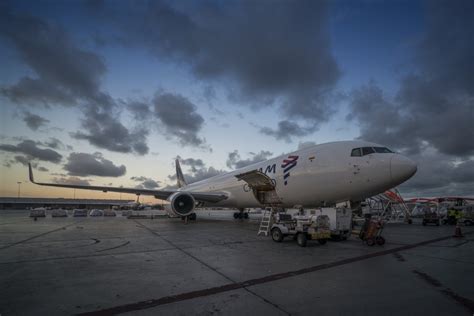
(367, 151)
(359, 152)
(382, 150)
(356, 152)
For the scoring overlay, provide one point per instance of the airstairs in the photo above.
(266, 222)
(390, 206)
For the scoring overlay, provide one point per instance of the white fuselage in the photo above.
(322, 174)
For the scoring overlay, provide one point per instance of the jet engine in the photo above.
(181, 204)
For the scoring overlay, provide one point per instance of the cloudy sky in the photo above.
(111, 92)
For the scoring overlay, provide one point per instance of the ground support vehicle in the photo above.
(302, 228)
(371, 232)
(79, 212)
(96, 213)
(465, 214)
(468, 221)
(431, 218)
(340, 220)
(38, 212)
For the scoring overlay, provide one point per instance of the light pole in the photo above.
(19, 184)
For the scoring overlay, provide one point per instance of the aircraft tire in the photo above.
(246, 215)
(236, 215)
(277, 235)
(301, 239)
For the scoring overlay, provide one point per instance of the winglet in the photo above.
(179, 175)
(31, 173)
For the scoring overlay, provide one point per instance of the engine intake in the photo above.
(181, 204)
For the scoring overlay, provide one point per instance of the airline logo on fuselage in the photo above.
(268, 169)
(287, 165)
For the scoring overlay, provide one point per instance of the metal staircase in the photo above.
(266, 222)
(390, 206)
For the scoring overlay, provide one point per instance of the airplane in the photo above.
(321, 175)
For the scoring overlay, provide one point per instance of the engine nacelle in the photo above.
(181, 204)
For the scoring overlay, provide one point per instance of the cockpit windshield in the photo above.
(363, 151)
(367, 151)
(382, 150)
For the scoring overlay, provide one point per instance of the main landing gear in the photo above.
(241, 214)
(191, 217)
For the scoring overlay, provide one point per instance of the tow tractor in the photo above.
(302, 228)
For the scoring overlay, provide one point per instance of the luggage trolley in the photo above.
(371, 232)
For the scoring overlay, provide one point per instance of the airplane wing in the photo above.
(210, 197)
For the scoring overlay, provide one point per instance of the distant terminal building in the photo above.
(24, 203)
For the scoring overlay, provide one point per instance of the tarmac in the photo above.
(218, 266)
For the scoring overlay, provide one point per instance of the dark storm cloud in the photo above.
(34, 121)
(35, 91)
(381, 120)
(32, 151)
(202, 174)
(179, 118)
(71, 180)
(105, 130)
(435, 104)
(197, 171)
(55, 143)
(65, 75)
(140, 110)
(22, 159)
(192, 163)
(286, 130)
(267, 52)
(82, 164)
(64, 72)
(440, 174)
(235, 162)
(146, 183)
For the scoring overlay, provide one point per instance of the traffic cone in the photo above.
(458, 232)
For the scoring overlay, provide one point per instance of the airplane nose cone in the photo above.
(401, 168)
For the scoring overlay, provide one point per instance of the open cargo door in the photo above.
(263, 187)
